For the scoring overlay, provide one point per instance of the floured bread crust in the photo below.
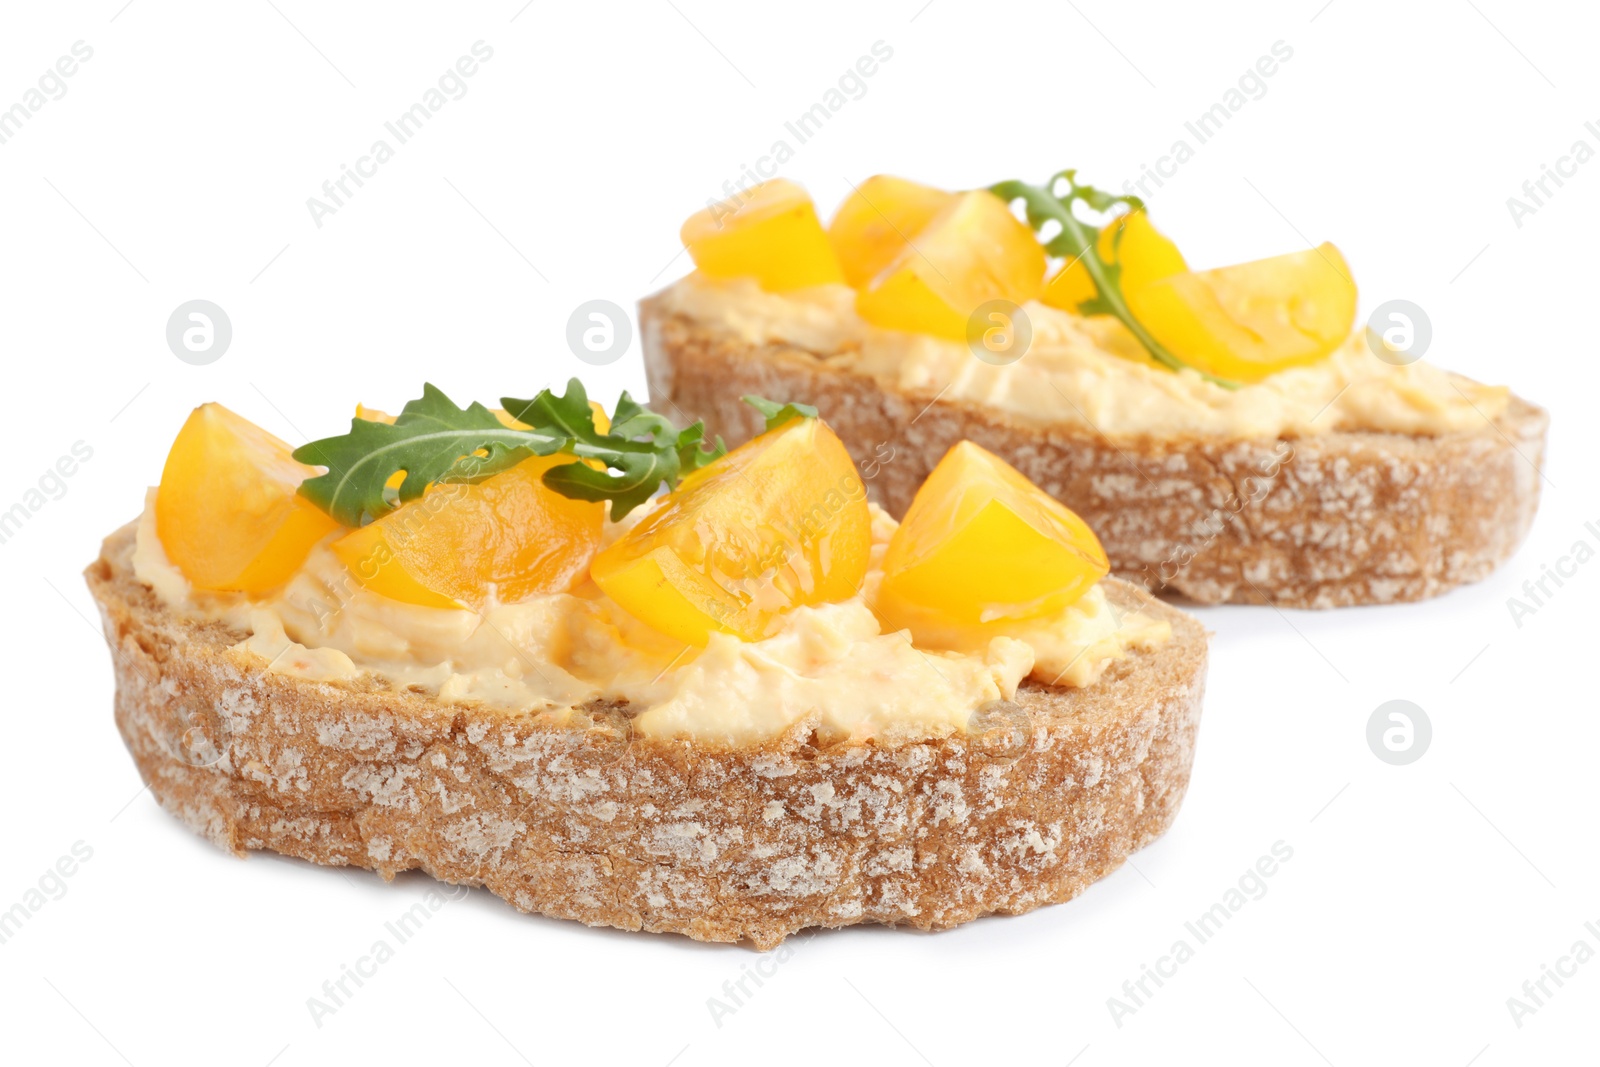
(589, 822)
(1332, 520)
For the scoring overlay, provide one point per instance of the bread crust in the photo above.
(594, 823)
(1343, 518)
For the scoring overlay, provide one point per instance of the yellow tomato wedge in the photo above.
(973, 251)
(771, 234)
(503, 539)
(509, 534)
(981, 544)
(1144, 253)
(228, 512)
(1248, 321)
(877, 220)
(777, 523)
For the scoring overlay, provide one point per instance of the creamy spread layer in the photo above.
(1076, 371)
(829, 665)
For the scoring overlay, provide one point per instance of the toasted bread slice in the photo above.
(593, 823)
(1346, 518)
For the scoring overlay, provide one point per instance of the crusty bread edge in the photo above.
(596, 824)
(1329, 520)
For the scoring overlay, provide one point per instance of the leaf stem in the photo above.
(1076, 241)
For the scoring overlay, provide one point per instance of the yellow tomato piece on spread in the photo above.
(777, 523)
(503, 539)
(1129, 242)
(876, 222)
(973, 251)
(770, 233)
(979, 544)
(228, 512)
(1248, 321)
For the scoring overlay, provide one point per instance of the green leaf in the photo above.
(632, 419)
(627, 482)
(569, 416)
(1078, 241)
(432, 440)
(777, 414)
(692, 449)
(435, 441)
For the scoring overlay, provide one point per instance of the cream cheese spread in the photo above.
(1076, 371)
(829, 665)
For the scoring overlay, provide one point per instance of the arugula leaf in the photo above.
(632, 419)
(626, 482)
(692, 450)
(650, 450)
(434, 441)
(1078, 241)
(568, 416)
(777, 414)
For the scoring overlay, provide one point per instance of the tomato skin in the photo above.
(973, 251)
(228, 510)
(779, 522)
(980, 544)
(1245, 322)
(1130, 242)
(879, 218)
(506, 538)
(771, 234)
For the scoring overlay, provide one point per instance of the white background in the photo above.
(177, 166)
